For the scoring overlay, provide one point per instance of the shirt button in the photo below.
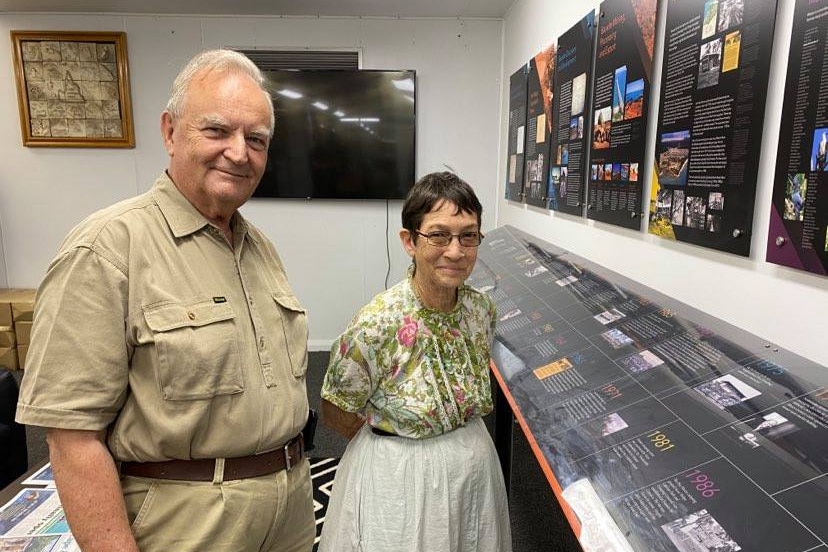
(261, 342)
(191, 315)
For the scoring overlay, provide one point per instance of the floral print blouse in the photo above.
(411, 370)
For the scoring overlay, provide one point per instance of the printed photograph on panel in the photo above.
(714, 222)
(771, 426)
(678, 208)
(633, 172)
(819, 149)
(698, 532)
(709, 62)
(579, 85)
(554, 182)
(711, 9)
(601, 129)
(727, 391)
(795, 190)
(695, 212)
(672, 158)
(715, 201)
(634, 99)
(730, 14)
(664, 203)
(619, 89)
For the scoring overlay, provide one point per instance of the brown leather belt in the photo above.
(243, 467)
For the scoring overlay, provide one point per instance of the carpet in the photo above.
(323, 471)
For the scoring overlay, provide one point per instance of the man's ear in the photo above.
(408, 242)
(167, 128)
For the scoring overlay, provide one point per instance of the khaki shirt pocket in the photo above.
(197, 347)
(295, 327)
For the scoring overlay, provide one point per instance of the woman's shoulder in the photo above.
(476, 298)
(387, 305)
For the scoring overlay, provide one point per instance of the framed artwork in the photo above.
(73, 89)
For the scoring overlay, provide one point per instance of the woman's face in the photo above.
(441, 270)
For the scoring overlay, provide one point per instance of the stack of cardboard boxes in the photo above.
(16, 308)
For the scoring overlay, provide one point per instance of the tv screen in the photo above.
(341, 134)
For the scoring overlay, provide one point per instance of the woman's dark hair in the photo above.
(435, 188)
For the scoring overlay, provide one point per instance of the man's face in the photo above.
(218, 145)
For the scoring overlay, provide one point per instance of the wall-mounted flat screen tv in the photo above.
(341, 134)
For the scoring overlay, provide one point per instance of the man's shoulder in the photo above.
(113, 222)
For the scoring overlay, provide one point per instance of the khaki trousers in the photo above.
(269, 513)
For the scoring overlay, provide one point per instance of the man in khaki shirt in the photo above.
(168, 352)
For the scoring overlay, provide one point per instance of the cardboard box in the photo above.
(6, 318)
(23, 332)
(16, 304)
(22, 351)
(8, 349)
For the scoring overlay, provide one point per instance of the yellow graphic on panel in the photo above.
(552, 368)
(730, 60)
(660, 209)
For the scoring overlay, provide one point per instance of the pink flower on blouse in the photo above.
(343, 348)
(459, 395)
(407, 334)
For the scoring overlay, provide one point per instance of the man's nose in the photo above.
(236, 150)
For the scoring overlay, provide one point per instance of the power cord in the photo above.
(387, 247)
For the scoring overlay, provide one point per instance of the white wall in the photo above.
(784, 306)
(335, 252)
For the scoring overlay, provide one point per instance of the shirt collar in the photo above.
(181, 216)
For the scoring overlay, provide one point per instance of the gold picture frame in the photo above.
(73, 89)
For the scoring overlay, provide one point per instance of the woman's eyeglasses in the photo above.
(443, 239)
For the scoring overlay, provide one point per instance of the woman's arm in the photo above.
(345, 423)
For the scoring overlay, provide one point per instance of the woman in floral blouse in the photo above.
(407, 383)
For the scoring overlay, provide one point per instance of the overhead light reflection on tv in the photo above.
(341, 134)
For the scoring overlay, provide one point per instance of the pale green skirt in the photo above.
(442, 494)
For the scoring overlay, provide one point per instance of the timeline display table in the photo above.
(659, 427)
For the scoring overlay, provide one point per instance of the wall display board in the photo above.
(798, 233)
(713, 87)
(573, 76)
(539, 121)
(517, 134)
(620, 91)
(684, 433)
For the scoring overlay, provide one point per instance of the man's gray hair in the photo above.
(217, 60)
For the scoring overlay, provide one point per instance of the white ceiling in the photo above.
(381, 8)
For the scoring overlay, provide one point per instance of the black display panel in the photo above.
(573, 106)
(517, 134)
(713, 87)
(689, 433)
(798, 233)
(341, 135)
(621, 91)
(539, 122)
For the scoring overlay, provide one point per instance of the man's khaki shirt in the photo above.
(149, 324)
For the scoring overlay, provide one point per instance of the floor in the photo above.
(537, 522)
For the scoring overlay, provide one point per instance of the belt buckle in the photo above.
(288, 464)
